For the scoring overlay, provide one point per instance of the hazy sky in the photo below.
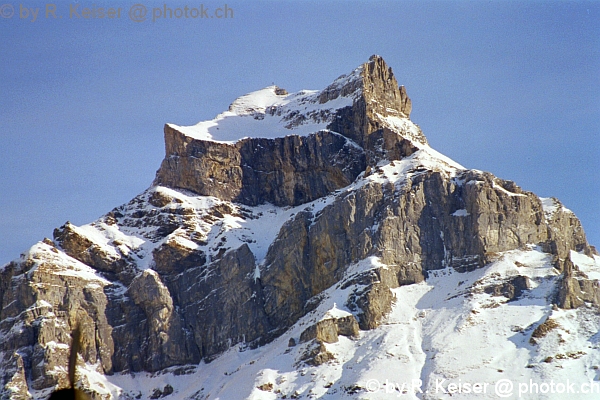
(508, 87)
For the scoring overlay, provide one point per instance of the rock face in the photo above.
(286, 171)
(576, 289)
(328, 330)
(43, 297)
(238, 240)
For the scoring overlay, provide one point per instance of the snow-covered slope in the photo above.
(442, 336)
(271, 112)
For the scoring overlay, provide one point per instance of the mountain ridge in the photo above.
(306, 238)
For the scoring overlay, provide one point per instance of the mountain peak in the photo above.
(380, 112)
(381, 83)
(359, 120)
(306, 243)
(272, 112)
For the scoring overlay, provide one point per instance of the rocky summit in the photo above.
(309, 245)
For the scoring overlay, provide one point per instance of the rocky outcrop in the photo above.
(324, 331)
(286, 171)
(380, 96)
(42, 298)
(163, 339)
(316, 353)
(16, 386)
(173, 257)
(83, 249)
(575, 289)
(365, 122)
(328, 330)
(564, 233)
(189, 316)
(495, 214)
(512, 289)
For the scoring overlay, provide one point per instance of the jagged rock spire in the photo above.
(379, 118)
(380, 85)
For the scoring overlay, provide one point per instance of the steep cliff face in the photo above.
(284, 171)
(256, 222)
(42, 295)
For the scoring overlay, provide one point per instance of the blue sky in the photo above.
(507, 87)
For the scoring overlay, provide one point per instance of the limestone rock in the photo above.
(16, 387)
(36, 321)
(347, 326)
(511, 289)
(564, 232)
(576, 290)
(286, 171)
(324, 331)
(174, 257)
(293, 170)
(328, 329)
(373, 302)
(222, 303)
(81, 248)
(366, 121)
(316, 353)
